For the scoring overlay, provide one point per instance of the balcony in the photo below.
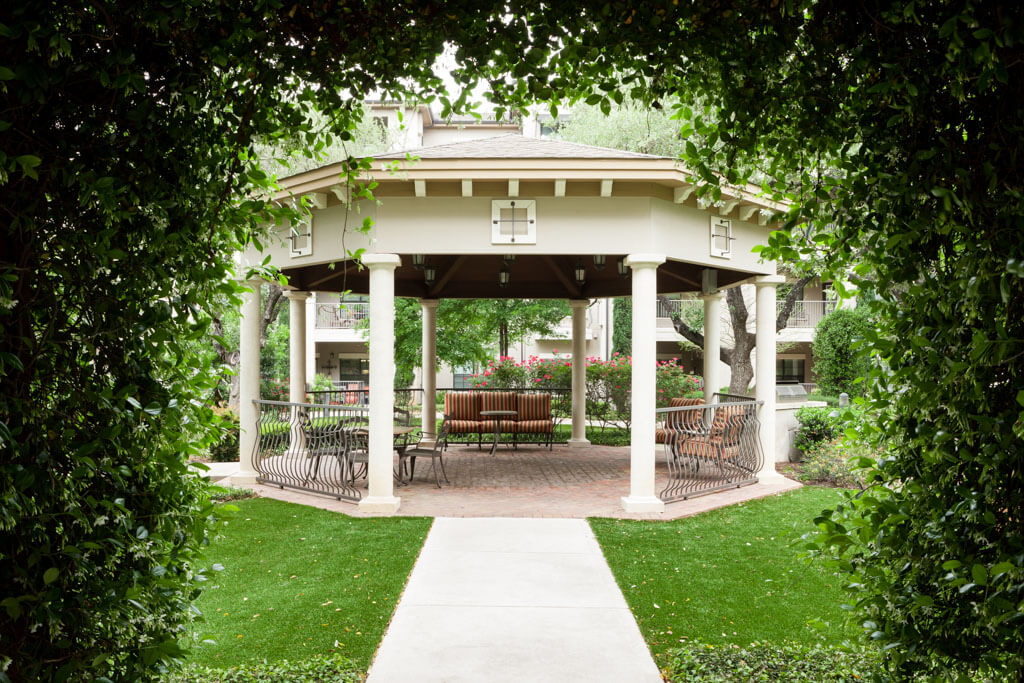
(341, 316)
(805, 314)
(808, 313)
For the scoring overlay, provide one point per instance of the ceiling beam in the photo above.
(513, 187)
(448, 275)
(560, 188)
(421, 187)
(467, 188)
(681, 194)
(606, 188)
(692, 283)
(569, 285)
(336, 274)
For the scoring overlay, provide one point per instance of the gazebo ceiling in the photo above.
(476, 276)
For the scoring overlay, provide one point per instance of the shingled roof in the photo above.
(516, 146)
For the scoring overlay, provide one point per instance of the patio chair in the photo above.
(323, 438)
(435, 452)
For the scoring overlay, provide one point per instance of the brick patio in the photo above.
(533, 482)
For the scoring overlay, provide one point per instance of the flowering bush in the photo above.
(274, 390)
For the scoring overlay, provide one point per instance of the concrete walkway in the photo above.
(512, 600)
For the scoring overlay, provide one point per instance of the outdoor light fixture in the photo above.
(504, 277)
(623, 268)
(599, 261)
(417, 261)
(509, 259)
(429, 273)
(580, 272)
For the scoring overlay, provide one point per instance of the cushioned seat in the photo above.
(684, 419)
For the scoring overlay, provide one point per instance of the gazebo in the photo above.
(517, 217)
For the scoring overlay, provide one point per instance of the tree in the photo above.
(837, 363)
(637, 128)
(466, 328)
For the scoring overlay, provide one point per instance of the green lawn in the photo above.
(298, 579)
(726, 576)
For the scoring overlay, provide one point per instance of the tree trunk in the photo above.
(503, 340)
(738, 358)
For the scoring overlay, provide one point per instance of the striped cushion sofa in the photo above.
(533, 414)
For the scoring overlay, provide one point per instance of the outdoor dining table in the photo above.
(497, 415)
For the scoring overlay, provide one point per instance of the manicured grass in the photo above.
(726, 576)
(298, 579)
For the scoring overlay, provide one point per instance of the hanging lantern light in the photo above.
(509, 259)
(599, 261)
(623, 268)
(417, 261)
(580, 272)
(504, 277)
(429, 273)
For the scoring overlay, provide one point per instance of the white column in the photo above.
(381, 496)
(429, 368)
(297, 345)
(297, 365)
(311, 339)
(248, 382)
(712, 343)
(642, 447)
(765, 370)
(579, 372)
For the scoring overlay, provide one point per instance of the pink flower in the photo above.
(554, 350)
(483, 384)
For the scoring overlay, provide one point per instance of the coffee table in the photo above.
(497, 415)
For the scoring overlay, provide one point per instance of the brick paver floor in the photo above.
(534, 482)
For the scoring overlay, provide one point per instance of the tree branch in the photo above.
(790, 301)
(693, 336)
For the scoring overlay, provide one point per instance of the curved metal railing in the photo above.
(711, 447)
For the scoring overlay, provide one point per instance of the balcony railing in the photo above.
(672, 307)
(808, 313)
(804, 313)
(344, 316)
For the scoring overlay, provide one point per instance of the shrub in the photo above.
(273, 389)
(223, 494)
(226, 448)
(835, 462)
(700, 662)
(816, 425)
(316, 669)
(837, 361)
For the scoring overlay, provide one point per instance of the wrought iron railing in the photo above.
(318, 448)
(342, 316)
(711, 447)
(808, 313)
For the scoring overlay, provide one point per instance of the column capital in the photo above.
(381, 261)
(769, 280)
(296, 295)
(714, 296)
(429, 303)
(579, 303)
(644, 260)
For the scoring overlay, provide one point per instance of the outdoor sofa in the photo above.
(532, 419)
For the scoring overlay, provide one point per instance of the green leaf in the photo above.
(50, 575)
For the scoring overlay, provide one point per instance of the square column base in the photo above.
(385, 505)
(769, 477)
(642, 504)
(578, 443)
(242, 479)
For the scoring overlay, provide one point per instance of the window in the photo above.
(461, 377)
(300, 238)
(354, 369)
(721, 237)
(789, 370)
(514, 221)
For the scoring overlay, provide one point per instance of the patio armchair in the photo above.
(434, 451)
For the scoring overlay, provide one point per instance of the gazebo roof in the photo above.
(437, 202)
(516, 146)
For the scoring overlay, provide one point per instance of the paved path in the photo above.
(512, 600)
